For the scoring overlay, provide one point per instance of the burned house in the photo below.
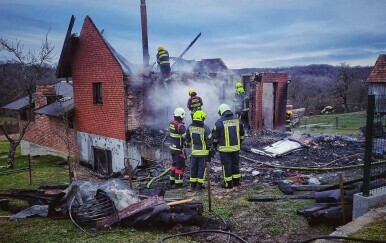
(268, 99)
(113, 100)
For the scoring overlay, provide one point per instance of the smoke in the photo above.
(213, 91)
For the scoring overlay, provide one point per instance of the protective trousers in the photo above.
(230, 168)
(197, 170)
(177, 168)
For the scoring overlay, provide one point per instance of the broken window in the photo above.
(97, 93)
(102, 161)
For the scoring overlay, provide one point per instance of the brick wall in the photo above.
(94, 62)
(50, 132)
(134, 92)
(280, 98)
(41, 94)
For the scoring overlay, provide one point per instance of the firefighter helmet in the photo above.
(223, 108)
(240, 90)
(191, 91)
(199, 115)
(179, 112)
(161, 48)
(239, 85)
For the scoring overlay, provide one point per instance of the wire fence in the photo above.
(374, 172)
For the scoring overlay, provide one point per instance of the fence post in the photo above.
(69, 168)
(30, 169)
(368, 145)
(336, 122)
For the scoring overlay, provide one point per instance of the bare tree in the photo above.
(33, 67)
(343, 85)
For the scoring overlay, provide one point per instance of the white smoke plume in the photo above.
(213, 91)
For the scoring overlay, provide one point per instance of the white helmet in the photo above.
(223, 108)
(180, 112)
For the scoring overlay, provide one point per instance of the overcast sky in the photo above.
(244, 33)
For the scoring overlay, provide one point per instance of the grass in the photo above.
(8, 120)
(345, 123)
(374, 231)
(44, 171)
(268, 220)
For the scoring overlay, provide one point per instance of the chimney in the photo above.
(42, 91)
(145, 46)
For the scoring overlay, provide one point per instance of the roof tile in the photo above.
(378, 74)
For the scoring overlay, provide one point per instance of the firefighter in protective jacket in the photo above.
(163, 61)
(194, 102)
(228, 134)
(177, 132)
(199, 137)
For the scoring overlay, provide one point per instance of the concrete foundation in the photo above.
(36, 149)
(363, 204)
(87, 141)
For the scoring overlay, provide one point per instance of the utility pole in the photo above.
(145, 45)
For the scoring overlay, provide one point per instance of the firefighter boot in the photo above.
(236, 182)
(200, 186)
(193, 186)
(228, 185)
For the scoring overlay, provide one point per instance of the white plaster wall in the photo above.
(86, 142)
(36, 149)
(268, 103)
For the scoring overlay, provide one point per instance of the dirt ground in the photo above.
(275, 221)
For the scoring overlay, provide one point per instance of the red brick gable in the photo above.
(378, 74)
(94, 62)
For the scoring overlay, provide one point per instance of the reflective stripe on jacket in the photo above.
(228, 133)
(195, 103)
(163, 57)
(200, 139)
(176, 135)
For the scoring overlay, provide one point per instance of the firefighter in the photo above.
(177, 132)
(228, 134)
(164, 63)
(194, 102)
(199, 137)
(239, 98)
(242, 105)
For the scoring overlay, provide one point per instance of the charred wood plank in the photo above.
(310, 187)
(131, 210)
(279, 197)
(34, 196)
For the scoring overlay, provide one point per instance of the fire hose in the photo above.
(310, 168)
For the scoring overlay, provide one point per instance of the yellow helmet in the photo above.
(223, 108)
(240, 90)
(239, 85)
(191, 91)
(161, 48)
(199, 115)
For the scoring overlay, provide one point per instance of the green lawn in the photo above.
(374, 231)
(44, 170)
(8, 120)
(345, 123)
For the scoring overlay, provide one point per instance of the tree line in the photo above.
(319, 85)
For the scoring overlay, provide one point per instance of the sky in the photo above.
(244, 33)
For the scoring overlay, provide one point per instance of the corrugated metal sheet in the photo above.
(17, 104)
(57, 108)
